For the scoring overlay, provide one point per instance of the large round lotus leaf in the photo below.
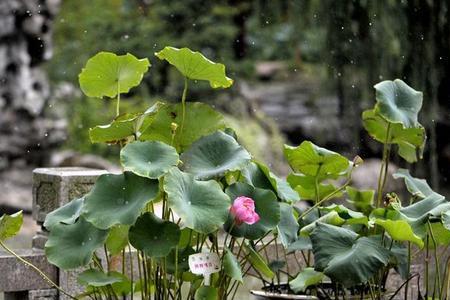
(98, 278)
(345, 257)
(10, 225)
(200, 120)
(213, 155)
(266, 205)
(312, 160)
(201, 205)
(118, 199)
(150, 159)
(410, 141)
(398, 103)
(154, 236)
(107, 74)
(66, 214)
(72, 246)
(307, 277)
(194, 65)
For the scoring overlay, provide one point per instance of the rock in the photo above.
(15, 187)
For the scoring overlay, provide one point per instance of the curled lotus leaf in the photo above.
(10, 225)
(108, 74)
(194, 65)
(345, 257)
(398, 103)
(66, 214)
(312, 160)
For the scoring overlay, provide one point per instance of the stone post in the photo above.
(52, 188)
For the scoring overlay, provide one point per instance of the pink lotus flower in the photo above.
(243, 210)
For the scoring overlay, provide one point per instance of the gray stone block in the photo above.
(46, 294)
(17, 277)
(54, 187)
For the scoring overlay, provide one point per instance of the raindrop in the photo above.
(126, 36)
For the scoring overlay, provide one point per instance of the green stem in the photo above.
(436, 260)
(118, 100)
(42, 274)
(183, 104)
(384, 166)
(409, 270)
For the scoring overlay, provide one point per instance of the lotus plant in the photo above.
(191, 210)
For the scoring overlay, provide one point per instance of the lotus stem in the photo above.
(183, 104)
(384, 166)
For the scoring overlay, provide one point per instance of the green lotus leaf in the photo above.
(398, 103)
(117, 239)
(118, 199)
(231, 266)
(200, 120)
(213, 155)
(257, 262)
(288, 226)
(72, 246)
(10, 225)
(399, 230)
(305, 187)
(345, 257)
(201, 205)
(188, 238)
(315, 161)
(150, 159)
(182, 263)
(194, 65)
(253, 175)
(306, 278)
(66, 214)
(98, 278)
(440, 233)
(266, 206)
(351, 217)
(154, 236)
(417, 187)
(207, 293)
(126, 127)
(410, 141)
(332, 218)
(280, 186)
(302, 243)
(362, 200)
(108, 74)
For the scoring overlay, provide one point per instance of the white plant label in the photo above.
(204, 263)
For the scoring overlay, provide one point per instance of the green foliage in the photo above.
(202, 205)
(154, 236)
(231, 266)
(10, 225)
(97, 278)
(257, 262)
(345, 257)
(72, 246)
(66, 214)
(148, 159)
(200, 120)
(118, 199)
(194, 65)
(306, 278)
(213, 155)
(117, 239)
(206, 293)
(288, 227)
(107, 74)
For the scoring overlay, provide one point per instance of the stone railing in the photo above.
(52, 188)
